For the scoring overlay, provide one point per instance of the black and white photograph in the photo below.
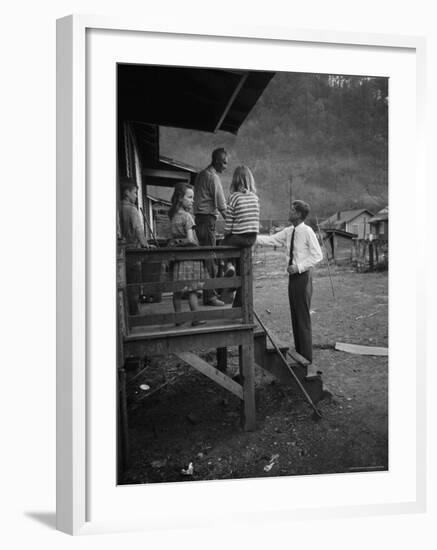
(223, 252)
(252, 273)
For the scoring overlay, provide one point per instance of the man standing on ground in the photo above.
(209, 200)
(303, 253)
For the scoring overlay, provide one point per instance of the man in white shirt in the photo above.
(303, 253)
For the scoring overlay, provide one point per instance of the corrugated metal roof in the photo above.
(345, 216)
(330, 230)
(380, 216)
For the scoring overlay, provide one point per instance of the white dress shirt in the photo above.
(306, 249)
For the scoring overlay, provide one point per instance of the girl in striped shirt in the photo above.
(242, 217)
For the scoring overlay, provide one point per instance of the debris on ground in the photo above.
(272, 462)
(365, 316)
(352, 436)
(189, 471)
(361, 350)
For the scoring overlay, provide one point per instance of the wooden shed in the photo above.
(339, 245)
(350, 221)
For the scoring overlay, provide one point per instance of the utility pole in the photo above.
(290, 185)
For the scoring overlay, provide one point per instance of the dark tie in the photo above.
(292, 246)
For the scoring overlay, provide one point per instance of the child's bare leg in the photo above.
(230, 269)
(177, 301)
(177, 304)
(194, 306)
(193, 301)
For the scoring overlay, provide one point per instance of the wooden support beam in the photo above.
(247, 373)
(246, 285)
(222, 359)
(211, 372)
(122, 425)
(231, 100)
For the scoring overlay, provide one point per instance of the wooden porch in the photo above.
(149, 328)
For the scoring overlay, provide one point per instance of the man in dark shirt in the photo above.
(209, 200)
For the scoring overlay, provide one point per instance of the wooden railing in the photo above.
(151, 330)
(147, 272)
(370, 255)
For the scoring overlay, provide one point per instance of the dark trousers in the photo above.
(300, 290)
(245, 240)
(205, 231)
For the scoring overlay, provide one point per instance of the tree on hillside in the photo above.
(328, 132)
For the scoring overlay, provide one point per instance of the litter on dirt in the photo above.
(189, 471)
(361, 350)
(272, 462)
(365, 316)
(145, 387)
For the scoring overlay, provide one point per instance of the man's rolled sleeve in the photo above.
(219, 196)
(278, 239)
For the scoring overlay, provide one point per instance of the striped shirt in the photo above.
(242, 214)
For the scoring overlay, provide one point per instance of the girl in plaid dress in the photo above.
(182, 232)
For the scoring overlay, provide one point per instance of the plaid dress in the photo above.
(187, 270)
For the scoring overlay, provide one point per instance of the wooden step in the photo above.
(259, 334)
(313, 386)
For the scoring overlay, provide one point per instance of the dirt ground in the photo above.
(187, 419)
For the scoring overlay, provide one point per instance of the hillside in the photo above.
(323, 138)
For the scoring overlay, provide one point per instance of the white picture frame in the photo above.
(75, 230)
